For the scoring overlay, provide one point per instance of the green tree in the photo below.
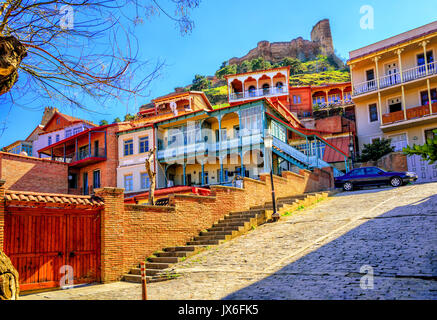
(103, 123)
(260, 64)
(375, 150)
(295, 65)
(200, 83)
(129, 117)
(231, 69)
(245, 66)
(116, 120)
(428, 151)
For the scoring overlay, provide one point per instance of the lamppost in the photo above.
(351, 151)
(268, 144)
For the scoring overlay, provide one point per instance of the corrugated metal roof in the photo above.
(341, 143)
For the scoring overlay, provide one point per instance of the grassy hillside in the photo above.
(318, 71)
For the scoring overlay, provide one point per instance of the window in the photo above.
(77, 130)
(85, 183)
(372, 170)
(319, 100)
(144, 144)
(83, 152)
(279, 86)
(251, 119)
(57, 138)
(236, 131)
(96, 148)
(96, 179)
(297, 99)
(373, 112)
(72, 181)
(145, 182)
(128, 183)
(429, 134)
(278, 131)
(252, 91)
(128, 147)
(58, 121)
(266, 89)
(333, 98)
(357, 172)
(347, 96)
(421, 58)
(67, 133)
(424, 97)
(224, 134)
(49, 140)
(394, 105)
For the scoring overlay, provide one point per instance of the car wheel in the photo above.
(348, 186)
(396, 182)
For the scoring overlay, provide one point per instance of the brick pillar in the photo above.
(2, 213)
(112, 233)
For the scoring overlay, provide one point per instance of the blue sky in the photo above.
(228, 28)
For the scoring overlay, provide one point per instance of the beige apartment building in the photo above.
(394, 87)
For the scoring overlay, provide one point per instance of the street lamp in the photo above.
(351, 150)
(268, 144)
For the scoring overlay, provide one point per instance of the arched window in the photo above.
(279, 86)
(266, 89)
(252, 91)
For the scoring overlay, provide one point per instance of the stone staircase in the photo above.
(159, 267)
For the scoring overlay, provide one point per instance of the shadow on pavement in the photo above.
(397, 246)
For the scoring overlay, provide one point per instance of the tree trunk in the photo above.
(9, 287)
(152, 174)
(11, 54)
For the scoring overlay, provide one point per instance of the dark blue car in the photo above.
(373, 176)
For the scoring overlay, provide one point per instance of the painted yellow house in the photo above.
(394, 87)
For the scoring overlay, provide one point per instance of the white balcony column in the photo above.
(229, 91)
(377, 70)
(429, 96)
(271, 85)
(399, 51)
(380, 107)
(423, 43)
(342, 96)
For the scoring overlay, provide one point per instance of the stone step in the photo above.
(164, 259)
(257, 211)
(149, 272)
(149, 279)
(230, 228)
(157, 265)
(216, 233)
(210, 237)
(237, 219)
(174, 254)
(182, 248)
(205, 242)
(229, 224)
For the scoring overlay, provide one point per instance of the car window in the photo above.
(357, 172)
(372, 170)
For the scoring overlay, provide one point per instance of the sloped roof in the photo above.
(341, 143)
(70, 119)
(27, 196)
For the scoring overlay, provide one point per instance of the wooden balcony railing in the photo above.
(411, 113)
(392, 117)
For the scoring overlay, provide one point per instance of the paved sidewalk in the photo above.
(318, 253)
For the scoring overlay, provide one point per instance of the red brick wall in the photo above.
(130, 233)
(24, 173)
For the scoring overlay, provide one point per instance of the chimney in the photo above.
(48, 113)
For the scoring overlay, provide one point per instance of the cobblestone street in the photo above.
(321, 252)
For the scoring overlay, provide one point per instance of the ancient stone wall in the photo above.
(320, 43)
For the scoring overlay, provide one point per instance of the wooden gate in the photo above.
(45, 244)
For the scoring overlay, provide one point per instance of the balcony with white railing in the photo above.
(224, 147)
(257, 93)
(394, 79)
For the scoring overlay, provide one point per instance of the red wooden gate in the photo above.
(41, 241)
